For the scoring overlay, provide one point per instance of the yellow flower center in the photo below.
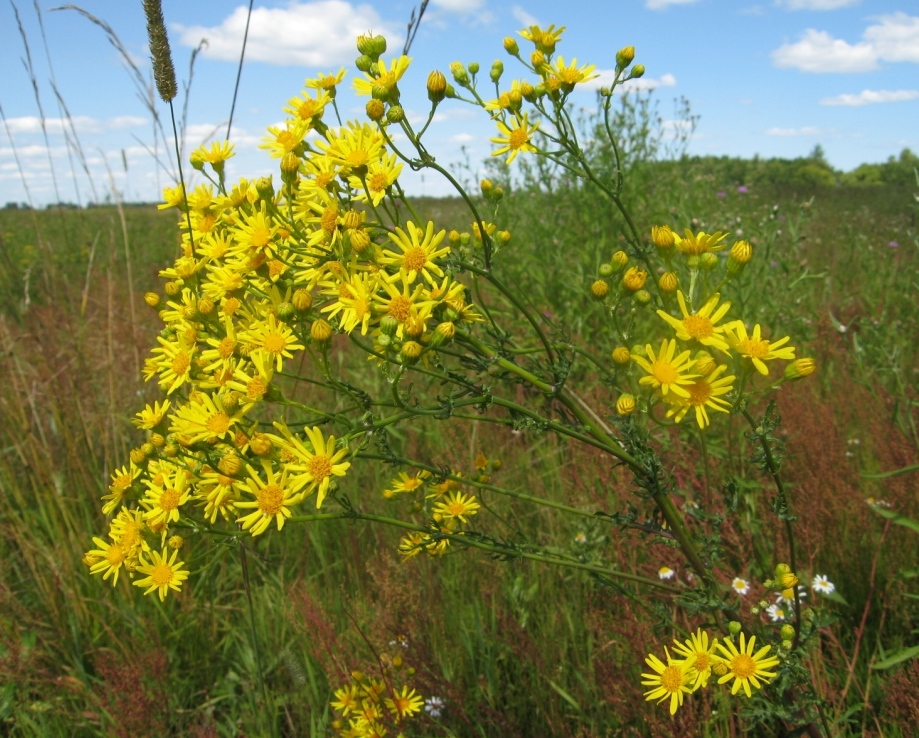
(115, 555)
(287, 140)
(275, 268)
(400, 308)
(700, 392)
(270, 499)
(323, 179)
(329, 220)
(518, 137)
(664, 372)
(307, 109)
(698, 326)
(226, 348)
(743, 666)
(319, 467)
(218, 424)
(358, 158)
(672, 678)
(361, 308)
(274, 343)
(260, 237)
(377, 182)
(169, 500)
(456, 508)
(121, 483)
(161, 574)
(755, 349)
(411, 484)
(256, 388)
(414, 259)
(180, 364)
(702, 662)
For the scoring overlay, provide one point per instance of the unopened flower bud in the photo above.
(510, 46)
(410, 351)
(137, 455)
(787, 644)
(734, 628)
(741, 252)
(625, 405)
(395, 114)
(364, 63)
(619, 260)
(286, 311)
(781, 569)
(788, 581)
(787, 632)
(443, 333)
(497, 69)
(290, 168)
(599, 289)
(320, 331)
(638, 71)
(708, 261)
(365, 44)
(502, 238)
(643, 297)
(230, 465)
(621, 355)
(173, 288)
(537, 59)
(473, 67)
(302, 299)
(705, 364)
(459, 73)
(375, 109)
(437, 86)
(668, 282)
(152, 299)
(800, 368)
(624, 57)
(634, 279)
(260, 444)
(389, 325)
(487, 186)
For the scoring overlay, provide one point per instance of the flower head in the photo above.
(665, 572)
(744, 666)
(699, 655)
(823, 585)
(162, 574)
(666, 371)
(515, 138)
(670, 680)
(701, 325)
(740, 586)
(756, 348)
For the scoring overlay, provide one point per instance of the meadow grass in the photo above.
(513, 648)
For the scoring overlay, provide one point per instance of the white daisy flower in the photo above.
(787, 596)
(740, 586)
(665, 572)
(581, 538)
(776, 613)
(433, 706)
(823, 585)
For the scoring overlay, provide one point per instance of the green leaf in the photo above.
(895, 517)
(894, 473)
(900, 656)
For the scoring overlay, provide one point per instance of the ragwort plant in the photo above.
(282, 293)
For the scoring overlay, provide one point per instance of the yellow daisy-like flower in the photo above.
(308, 108)
(281, 141)
(515, 138)
(402, 304)
(569, 76)
(254, 234)
(273, 337)
(406, 483)
(122, 479)
(326, 82)
(744, 666)
(166, 493)
(696, 244)
(457, 505)
(107, 559)
(203, 419)
(162, 574)
(669, 681)
(665, 371)
(405, 703)
(172, 361)
(354, 147)
(347, 699)
(544, 40)
(704, 392)
(419, 250)
(315, 468)
(699, 655)
(701, 325)
(380, 176)
(355, 302)
(273, 499)
(756, 348)
(383, 77)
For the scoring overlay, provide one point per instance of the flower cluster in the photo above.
(696, 369)
(367, 707)
(693, 662)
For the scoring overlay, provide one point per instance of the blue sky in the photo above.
(773, 78)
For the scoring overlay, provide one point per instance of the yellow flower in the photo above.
(515, 138)
(756, 348)
(405, 703)
(457, 505)
(203, 419)
(284, 140)
(665, 371)
(544, 40)
(704, 392)
(166, 493)
(700, 326)
(355, 302)
(380, 176)
(569, 76)
(162, 574)
(314, 468)
(273, 337)
(699, 656)
(696, 244)
(670, 680)
(306, 107)
(326, 82)
(382, 77)
(419, 250)
(745, 667)
(107, 559)
(406, 483)
(273, 499)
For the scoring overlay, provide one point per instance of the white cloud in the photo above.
(606, 77)
(871, 97)
(84, 125)
(524, 18)
(462, 138)
(815, 4)
(894, 38)
(805, 131)
(314, 34)
(661, 4)
(463, 7)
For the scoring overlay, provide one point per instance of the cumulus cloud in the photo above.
(815, 4)
(805, 131)
(606, 77)
(871, 97)
(84, 125)
(893, 38)
(313, 34)
(661, 4)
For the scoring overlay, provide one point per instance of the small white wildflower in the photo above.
(740, 586)
(776, 613)
(665, 572)
(433, 706)
(823, 585)
(581, 538)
